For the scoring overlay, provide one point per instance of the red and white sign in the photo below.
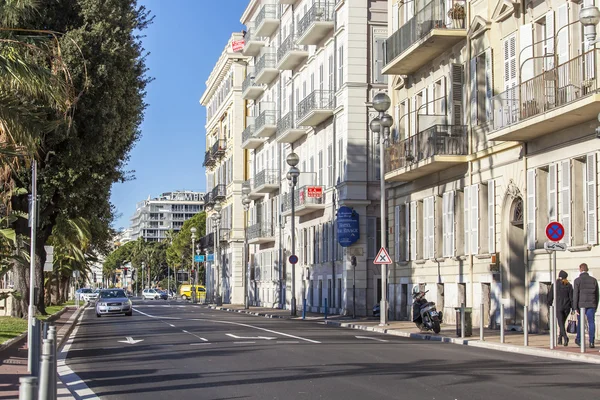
(238, 45)
(555, 231)
(383, 257)
(315, 191)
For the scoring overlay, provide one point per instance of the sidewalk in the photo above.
(539, 344)
(13, 359)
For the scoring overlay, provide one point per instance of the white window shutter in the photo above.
(473, 78)
(526, 51)
(562, 20)
(475, 219)
(431, 222)
(565, 199)
(426, 228)
(531, 207)
(407, 231)
(397, 233)
(413, 230)
(444, 96)
(451, 225)
(549, 61)
(395, 16)
(552, 198)
(489, 90)
(445, 211)
(431, 99)
(491, 216)
(466, 214)
(413, 117)
(591, 200)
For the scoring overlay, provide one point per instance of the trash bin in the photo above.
(468, 321)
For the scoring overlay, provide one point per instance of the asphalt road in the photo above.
(191, 352)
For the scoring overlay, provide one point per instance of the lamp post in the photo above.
(246, 203)
(292, 160)
(381, 125)
(143, 280)
(217, 221)
(589, 17)
(194, 297)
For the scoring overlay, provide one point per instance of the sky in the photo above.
(184, 42)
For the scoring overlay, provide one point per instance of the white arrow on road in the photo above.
(371, 338)
(130, 340)
(253, 337)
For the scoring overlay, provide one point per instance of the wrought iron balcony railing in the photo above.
(224, 234)
(317, 100)
(249, 81)
(268, 11)
(208, 159)
(268, 60)
(268, 117)
(218, 192)
(301, 198)
(218, 148)
(208, 199)
(265, 177)
(318, 12)
(260, 230)
(438, 140)
(286, 46)
(247, 133)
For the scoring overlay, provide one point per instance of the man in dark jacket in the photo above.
(585, 295)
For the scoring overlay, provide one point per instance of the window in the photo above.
(591, 215)
(340, 65)
(415, 242)
(471, 219)
(458, 73)
(428, 227)
(331, 71)
(448, 213)
(378, 61)
(320, 166)
(341, 160)
(330, 172)
(373, 236)
(481, 88)
(564, 198)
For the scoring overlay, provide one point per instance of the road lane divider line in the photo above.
(371, 338)
(243, 342)
(171, 325)
(198, 344)
(286, 341)
(201, 338)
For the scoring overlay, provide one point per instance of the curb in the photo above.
(531, 351)
(66, 329)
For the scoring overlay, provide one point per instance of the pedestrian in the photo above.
(564, 304)
(585, 295)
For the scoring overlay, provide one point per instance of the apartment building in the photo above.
(495, 106)
(313, 66)
(153, 218)
(224, 161)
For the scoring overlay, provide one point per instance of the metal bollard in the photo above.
(552, 327)
(501, 323)
(304, 308)
(326, 309)
(28, 388)
(481, 314)
(46, 371)
(462, 320)
(52, 336)
(36, 340)
(525, 326)
(582, 329)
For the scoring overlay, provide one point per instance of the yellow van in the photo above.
(185, 291)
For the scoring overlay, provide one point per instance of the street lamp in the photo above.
(217, 220)
(194, 286)
(381, 125)
(246, 203)
(292, 160)
(589, 17)
(143, 270)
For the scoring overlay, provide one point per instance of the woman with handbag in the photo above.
(564, 301)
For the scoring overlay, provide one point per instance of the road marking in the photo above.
(201, 338)
(243, 342)
(234, 323)
(130, 340)
(286, 341)
(371, 338)
(198, 344)
(171, 325)
(242, 337)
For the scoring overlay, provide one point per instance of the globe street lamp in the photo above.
(589, 17)
(217, 221)
(246, 203)
(292, 160)
(194, 298)
(381, 125)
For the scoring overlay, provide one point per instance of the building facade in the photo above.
(312, 67)
(495, 107)
(224, 162)
(154, 218)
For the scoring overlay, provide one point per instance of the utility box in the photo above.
(468, 321)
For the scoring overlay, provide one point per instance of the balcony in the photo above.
(207, 241)
(265, 125)
(434, 149)
(260, 233)
(208, 159)
(302, 203)
(250, 89)
(224, 234)
(287, 1)
(287, 132)
(564, 96)
(266, 69)
(253, 195)
(218, 149)
(249, 140)
(253, 43)
(266, 181)
(316, 108)
(421, 39)
(208, 200)
(218, 193)
(267, 20)
(316, 25)
(290, 55)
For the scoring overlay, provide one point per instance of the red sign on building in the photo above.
(315, 191)
(237, 45)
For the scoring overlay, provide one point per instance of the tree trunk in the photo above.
(21, 301)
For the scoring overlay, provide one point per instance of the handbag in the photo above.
(572, 324)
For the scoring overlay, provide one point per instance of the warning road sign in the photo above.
(383, 257)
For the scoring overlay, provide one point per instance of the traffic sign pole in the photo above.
(555, 232)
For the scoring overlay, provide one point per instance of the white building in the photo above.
(153, 218)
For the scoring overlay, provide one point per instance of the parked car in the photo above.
(150, 294)
(113, 301)
(163, 294)
(185, 291)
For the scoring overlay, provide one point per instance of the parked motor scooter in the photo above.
(425, 315)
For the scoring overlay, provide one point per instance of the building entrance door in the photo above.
(513, 265)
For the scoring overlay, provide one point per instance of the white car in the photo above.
(150, 294)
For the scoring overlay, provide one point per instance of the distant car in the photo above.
(150, 294)
(113, 301)
(83, 294)
(163, 294)
(185, 291)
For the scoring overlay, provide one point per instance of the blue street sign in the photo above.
(199, 258)
(347, 226)
(210, 257)
(293, 259)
